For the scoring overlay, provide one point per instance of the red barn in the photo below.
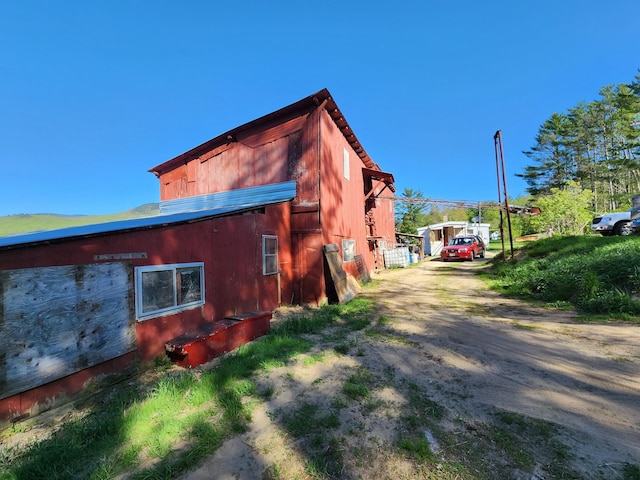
(343, 197)
(250, 220)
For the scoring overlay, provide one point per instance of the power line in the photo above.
(517, 209)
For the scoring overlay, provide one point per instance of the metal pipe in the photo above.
(498, 136)
(495, 142)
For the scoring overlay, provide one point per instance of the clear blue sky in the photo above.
(94, 93)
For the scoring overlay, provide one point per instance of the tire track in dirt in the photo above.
(498, 353)
(475, 354)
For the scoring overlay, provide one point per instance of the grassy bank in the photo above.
(597, 275)
(164, 425)
(26, 223)
(164, 421)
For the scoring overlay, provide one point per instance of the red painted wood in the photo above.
(329, 205)
(216, 338)
(303, 142)
(231, 250)
(59, 391)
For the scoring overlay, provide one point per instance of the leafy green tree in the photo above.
(564, 211)
(552, 155)
(596, 144)
(434, 215)
(410, 212)
(455, 214)
(486, 213)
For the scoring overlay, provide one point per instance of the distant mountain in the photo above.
(25, 223)
(146, 210)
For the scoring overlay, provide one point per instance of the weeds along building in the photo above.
(277, 211)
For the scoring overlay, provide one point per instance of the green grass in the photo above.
(160, 429)
(417, 448)
(25, 223)
(514, 433)
(357, 385)
(596, 275)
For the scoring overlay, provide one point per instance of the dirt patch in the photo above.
(490, 374)
(497, 388)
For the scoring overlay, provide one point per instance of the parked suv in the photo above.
(618, 223)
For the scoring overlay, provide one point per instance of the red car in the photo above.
(463, 248)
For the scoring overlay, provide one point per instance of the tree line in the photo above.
(584, 161)
(594, 145)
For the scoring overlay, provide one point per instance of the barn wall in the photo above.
(383, 211)
(40, 399)
(343, 208)
(306, 226)
(287, 150)
(307, 148)
(230, 247)
(256, 157)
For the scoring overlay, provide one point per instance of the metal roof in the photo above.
(238, 198)
(171, 212)
(451, 223)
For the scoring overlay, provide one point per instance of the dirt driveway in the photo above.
(478, 356)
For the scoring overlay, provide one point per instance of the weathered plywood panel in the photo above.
(345, 285)
(55, 321)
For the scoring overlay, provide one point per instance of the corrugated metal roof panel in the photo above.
(232, 198)
(238, 200)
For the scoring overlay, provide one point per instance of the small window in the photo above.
(345, 163)
(348, 250)
(269, 254)
(166, 289)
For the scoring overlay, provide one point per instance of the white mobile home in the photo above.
(438, 235)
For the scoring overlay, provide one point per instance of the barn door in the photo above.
(308, 268)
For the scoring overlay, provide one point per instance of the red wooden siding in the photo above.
(230, 248)
(308, 148)
(303, 142)
(54, 393)
(343, 207)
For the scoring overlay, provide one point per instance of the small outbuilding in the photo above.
(84, 301)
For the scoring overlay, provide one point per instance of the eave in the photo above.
(302, 107)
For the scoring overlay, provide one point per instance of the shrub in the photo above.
(595, 274)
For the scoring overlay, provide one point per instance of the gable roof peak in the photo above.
(320, 99)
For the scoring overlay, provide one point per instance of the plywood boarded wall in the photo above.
(55, 321)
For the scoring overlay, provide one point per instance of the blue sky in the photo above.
(93, 94)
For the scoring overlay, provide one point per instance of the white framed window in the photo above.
(269, 254)
(348, 250)
(345, 163)
(166, 289)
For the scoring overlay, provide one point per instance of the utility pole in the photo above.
(500, 172)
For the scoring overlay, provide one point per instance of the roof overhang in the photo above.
(302, 107)
(385, 177)
(377, 174)
(194, 210)
(440, 226)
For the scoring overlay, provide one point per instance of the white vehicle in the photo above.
(618, 223)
